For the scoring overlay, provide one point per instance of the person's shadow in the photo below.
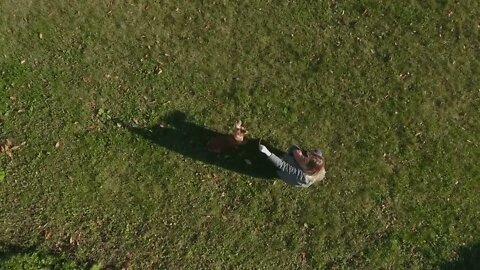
(190, 139)
(468, 258)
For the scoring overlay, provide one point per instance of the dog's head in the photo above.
(239, 131)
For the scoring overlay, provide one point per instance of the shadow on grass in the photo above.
(190, 140)
(7, 251)
(468, 258)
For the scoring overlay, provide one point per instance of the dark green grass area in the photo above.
(390, 91)
(12, 257)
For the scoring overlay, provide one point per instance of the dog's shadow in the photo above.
(190, 139)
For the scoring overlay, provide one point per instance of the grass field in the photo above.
(101, 175)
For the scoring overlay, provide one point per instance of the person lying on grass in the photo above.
(298, 169)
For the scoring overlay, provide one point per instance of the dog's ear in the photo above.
(238, 124)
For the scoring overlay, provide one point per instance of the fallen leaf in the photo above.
(47, 234)
(9, 147)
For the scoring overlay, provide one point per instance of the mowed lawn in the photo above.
(389, 90)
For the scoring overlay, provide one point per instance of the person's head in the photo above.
(315, 162)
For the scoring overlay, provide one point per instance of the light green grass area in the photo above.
(389, 90)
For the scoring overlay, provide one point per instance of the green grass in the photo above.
(14, 258)
(390, 92)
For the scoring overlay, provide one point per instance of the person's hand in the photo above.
(292, 149)
(264, 150)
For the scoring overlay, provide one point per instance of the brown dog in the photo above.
(222, 143)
